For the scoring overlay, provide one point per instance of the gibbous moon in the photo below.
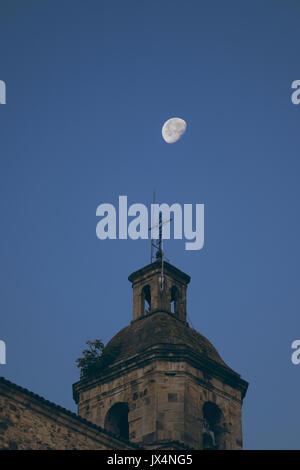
(173, 129)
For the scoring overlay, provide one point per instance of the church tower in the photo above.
(164, 386)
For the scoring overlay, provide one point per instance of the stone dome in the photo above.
(160, 328)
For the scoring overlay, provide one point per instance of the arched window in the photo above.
(146, 299)
(174, 299)
(212, 429)
(116, 420)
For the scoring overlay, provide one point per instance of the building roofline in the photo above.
(157, 266)
(65, 411)
(169, 352)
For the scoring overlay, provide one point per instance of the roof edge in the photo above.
(157, 266)
(44, 401)
(168, 352)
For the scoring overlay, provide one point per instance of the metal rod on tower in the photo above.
(159, 227)
(160, 230)
(151, 242)
(161, 250)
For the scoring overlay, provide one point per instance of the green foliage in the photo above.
(95, 359)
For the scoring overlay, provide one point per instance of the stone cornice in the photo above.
(156, 267)
(168, 353)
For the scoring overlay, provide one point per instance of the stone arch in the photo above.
(213, 426)
(146, 299)
(175, 296)
(116, 420)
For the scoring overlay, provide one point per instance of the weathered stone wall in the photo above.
(29, 422)
(165, 401)
(137, 388)
(200, 389)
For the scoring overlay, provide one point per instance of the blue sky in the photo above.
(89, 85)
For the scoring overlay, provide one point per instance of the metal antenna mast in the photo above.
(159, 247)
(160, 251)
(151, 242)
(158, 226)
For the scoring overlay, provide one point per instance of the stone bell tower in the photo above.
(159, 287)
(164, 385)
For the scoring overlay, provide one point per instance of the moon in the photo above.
(173, 129)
